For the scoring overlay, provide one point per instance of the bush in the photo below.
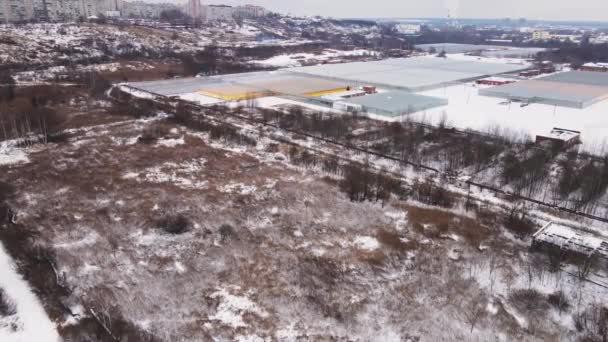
(7, 307)
(151, 134)
(226, 232)
(559, 300)
(174, 224)
(519, 224)
(593, 321)
(529, 301)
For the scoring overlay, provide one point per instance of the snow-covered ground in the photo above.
(298, 59)
(10, 154)
(467, 109)
(30, 323)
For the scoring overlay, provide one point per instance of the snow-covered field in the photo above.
(467, 109)
(299, 59)
(273, 251)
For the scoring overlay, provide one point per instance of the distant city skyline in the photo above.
(590, 10)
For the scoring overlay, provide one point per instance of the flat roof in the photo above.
(562, 134)
(411, 74)
(572, 239)
(570, 89)
(275, 81)
(579, 77)
(396, 103)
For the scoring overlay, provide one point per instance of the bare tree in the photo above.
(474, 310)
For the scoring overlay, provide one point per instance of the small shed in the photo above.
(560, 138)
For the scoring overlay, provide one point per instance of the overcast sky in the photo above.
(531, 9)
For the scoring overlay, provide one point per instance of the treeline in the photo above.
(359, 181)
(29, 111)
(219, 131)
(362, 183)
(576, 54)
(324, 125)
(408, 141)
(528, 174)
(423, 144)
(582, 187)
(578, 183)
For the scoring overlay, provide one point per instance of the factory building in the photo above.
(410, 74)
(390, 104)
(597, 67)
(574, 89)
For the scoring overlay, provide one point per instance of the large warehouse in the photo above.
(410, 74)
(573, 89)
(391, 104)
(246, 85)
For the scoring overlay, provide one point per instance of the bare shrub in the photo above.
(432, 194)
(519, 223)
(559, 300)
(174, 224)
(529, 301)
(593, 323)
(151, 134)
(474, 310)
(321, 281)
(226, 232)
(394, 241)
(7, 306)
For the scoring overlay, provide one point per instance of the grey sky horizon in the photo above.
(592, 10)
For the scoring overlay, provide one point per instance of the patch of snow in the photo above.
(88, 268)
(250, 338)
(232, 308)
(182, 175)
(88, 240)
(366, 243)
(10, 154)
(180, 268)
(171, 142)
(238, 188)
(34, 324)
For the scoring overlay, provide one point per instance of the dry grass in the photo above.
(474, 231)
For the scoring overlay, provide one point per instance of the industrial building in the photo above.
(560, 138)
(572, 240)
(247, 85)
(573, 89)
(390, 104)
(598, 67)
(410, 74)
(383, 89)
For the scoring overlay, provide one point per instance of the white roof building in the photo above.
(572, 239)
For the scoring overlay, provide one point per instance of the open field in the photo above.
(186, 235)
